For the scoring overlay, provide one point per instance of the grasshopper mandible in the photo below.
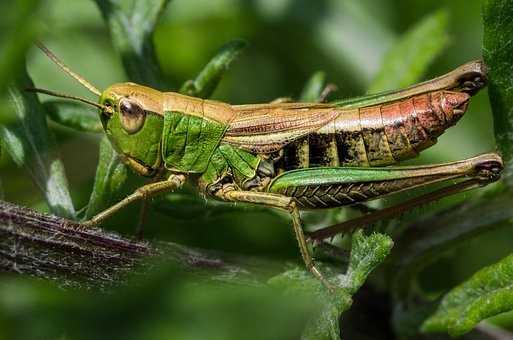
(290, 156)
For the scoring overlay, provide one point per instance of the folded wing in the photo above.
(266, 128)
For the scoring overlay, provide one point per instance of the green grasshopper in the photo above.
(291, 156)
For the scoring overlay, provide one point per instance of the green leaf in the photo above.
(429, 238)
(207, 80)
(73, 115)
(111, 175)
(367, 252)
(487, 293)
(131, 24)
(298, 282)
(31, 144)
(313, 88)
(405, 63)
(23, 24)
(498, 52)
(15, 42)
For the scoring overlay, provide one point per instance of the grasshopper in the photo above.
(291, 156)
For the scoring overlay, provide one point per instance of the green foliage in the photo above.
(165, 305)
(131, 25)
(111, 175)
(497, 52)
(14, 43)
(367, 252)
(409, 58)
(487, 293)
(31, 145)
(207, 80)
(433, 236)
(73, 115)
(313, 88)
(326, 324)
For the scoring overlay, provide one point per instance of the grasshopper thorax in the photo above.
(132, 118)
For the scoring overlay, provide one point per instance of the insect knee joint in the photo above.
(143, 192)
(223, 191)
(177, 180)
(292, 206)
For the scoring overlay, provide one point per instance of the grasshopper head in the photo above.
(133, 122)
(131, 115)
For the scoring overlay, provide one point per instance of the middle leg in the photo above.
(229, 193)
(147, 191)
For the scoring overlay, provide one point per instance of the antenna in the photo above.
(67, 96)
(66, 69)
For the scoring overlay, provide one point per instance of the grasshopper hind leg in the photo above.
(318, 188)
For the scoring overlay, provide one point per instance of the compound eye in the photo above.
(132, 116)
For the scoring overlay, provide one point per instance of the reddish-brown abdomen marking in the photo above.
(427, 117)
(399, 143)
(417, 135)
(413, 124)
(398, 130)
(454, 105)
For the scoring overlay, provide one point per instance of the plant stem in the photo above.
(57, 249)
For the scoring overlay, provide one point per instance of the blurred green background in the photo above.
(288, 41)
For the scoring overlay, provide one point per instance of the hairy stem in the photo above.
(54, 248)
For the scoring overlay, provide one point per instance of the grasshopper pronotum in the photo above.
(291, 156)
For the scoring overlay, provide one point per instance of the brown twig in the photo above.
(54, 248)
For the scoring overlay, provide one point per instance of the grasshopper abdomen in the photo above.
(377, 135)
(402, 129)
